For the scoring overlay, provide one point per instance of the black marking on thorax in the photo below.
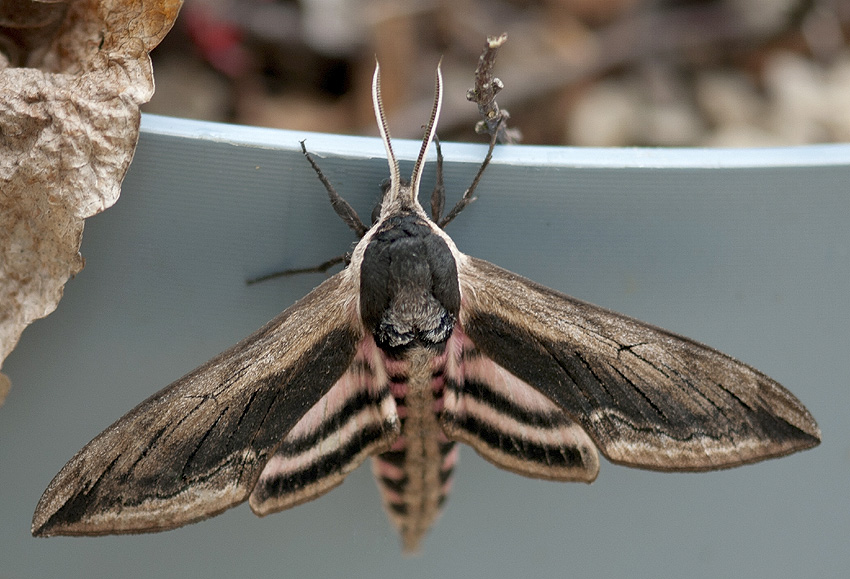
(409, 291)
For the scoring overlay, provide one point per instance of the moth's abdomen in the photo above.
(415, 475)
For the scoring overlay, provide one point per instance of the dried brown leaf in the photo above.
(72, 77)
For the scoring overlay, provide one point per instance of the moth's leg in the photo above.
(321, 268)
(340, 205)
(438, 196)
(468, 194)
(342, 208)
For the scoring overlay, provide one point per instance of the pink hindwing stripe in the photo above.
(356, 418)
(510, 423)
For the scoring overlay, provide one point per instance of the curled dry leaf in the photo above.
(72, 77)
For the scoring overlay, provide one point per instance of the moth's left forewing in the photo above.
(198, 447)
(356, 418)
(647, 397)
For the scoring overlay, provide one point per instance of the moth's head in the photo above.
(399, 194)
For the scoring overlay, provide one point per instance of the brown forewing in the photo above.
(648, 398)
(198, 446)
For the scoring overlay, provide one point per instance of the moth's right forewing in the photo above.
(198, 447)
(647, 397)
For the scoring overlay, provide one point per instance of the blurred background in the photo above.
(577, 72)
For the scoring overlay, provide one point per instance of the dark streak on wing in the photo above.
(331, 424)
(495, 436)
(329, 465)
(648, 397)
(197, 447)
(546, 455)
(502, 405)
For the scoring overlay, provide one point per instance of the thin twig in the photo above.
(695, 28)
(484, 94)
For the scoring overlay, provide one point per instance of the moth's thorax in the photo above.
(409, 291)
(415, 475)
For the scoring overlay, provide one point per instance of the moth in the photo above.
(410, 349)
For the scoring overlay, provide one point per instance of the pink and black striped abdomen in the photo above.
(414, 476)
